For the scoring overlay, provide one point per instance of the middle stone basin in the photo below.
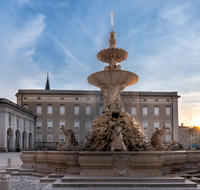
(112, 78)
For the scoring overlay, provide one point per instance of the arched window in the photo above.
(76, 125)
(145, 125)
(50, 109)
(145, 110)
(76, 109)
(39, 109)
(25, 106)
(156, 110)
(100, 110)
(62, 109)
(168, 110)
(133, 110)
(88, 110)
(156, 124)
(50, 124)
(88, 125)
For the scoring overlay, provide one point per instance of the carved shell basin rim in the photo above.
(106, 54)
(112, 78)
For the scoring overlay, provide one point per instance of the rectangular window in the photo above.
(100, 110)
(39, 138)
(76, 110)
(133, 111)
(168, 138)
(49, 138)
(77, 138)
(39, 109)
(62, 110)
(76, 98)
(145, 126)
(76, 125)
(39, 125)
(24, 124)
(144, 110)
(25, 106)
(62, 138)
(62, 123)
(39, 98)
(156, 110)
(10, 119)
(50, 110)
(17, 121)
(156, 125)
(88, 110)
(168, 125)
(62, 98)
(146, 138)
(88, 125)
(29, 125)
(49, 125)
(167, 111)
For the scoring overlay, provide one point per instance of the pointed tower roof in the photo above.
(47, 83)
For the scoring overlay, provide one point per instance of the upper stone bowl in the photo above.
(106, 55)
(112, 78)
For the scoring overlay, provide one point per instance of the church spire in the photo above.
(47, 83)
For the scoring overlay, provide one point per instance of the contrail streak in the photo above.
(65, 49)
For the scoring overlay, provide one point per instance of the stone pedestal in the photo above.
(193, 157)
(137, 164)
(72, 160)
(41, 162)
(27, 157)
(179, 161)
(56, 161)
(169, 159)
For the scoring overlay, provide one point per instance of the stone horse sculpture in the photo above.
(157, 141)
(71, 142)
(117, 143)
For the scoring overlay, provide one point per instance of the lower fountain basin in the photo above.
(135, 164)
(112, 78)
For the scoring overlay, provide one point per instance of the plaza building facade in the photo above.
(184, 136)
(77, 109)
(17, 125)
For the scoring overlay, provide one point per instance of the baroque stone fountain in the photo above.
(116, 145)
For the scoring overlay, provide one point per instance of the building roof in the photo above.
(95, 92)
(10, 103)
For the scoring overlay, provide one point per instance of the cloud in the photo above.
(18, 68)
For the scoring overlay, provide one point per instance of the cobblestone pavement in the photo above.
(19, 182)
(25, 183)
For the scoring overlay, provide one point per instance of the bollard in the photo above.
(4, 182)
(9, 162)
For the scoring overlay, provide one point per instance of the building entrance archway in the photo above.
(24, 141)
(10, 139)
(17, 140)
(30, 141)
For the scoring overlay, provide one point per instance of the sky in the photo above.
(162, 39)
